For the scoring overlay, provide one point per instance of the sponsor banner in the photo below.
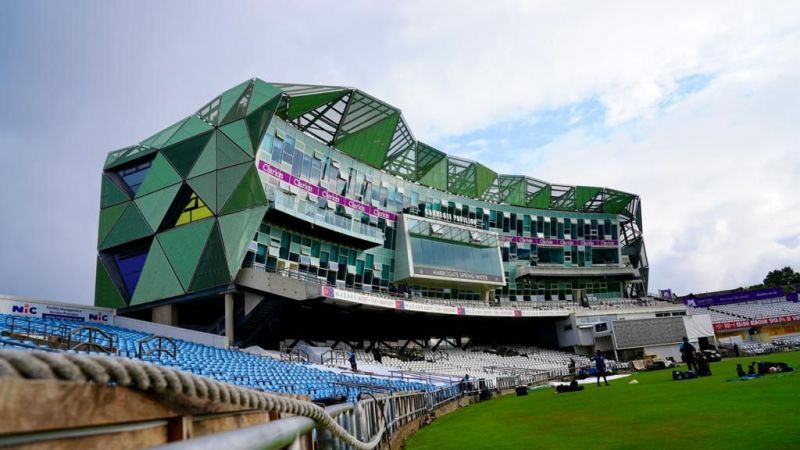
(354, 297)
(734, 325)
(457, 274)
(734, 297)
(24, 308)
(408, 305)
(559, 242)
(429, 308)
(319, 191)
(665, 293)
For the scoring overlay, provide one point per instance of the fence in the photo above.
(363, 420)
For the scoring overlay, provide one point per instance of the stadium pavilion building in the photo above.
(278, 200)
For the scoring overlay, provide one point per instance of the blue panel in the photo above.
(130, 266)
(134, 175)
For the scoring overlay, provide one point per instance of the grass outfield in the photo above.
(657, 413)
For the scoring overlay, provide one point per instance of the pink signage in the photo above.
(322, 192)
(733, 325)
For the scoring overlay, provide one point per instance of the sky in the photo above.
(694, 106)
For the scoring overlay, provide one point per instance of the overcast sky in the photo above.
(693, 106)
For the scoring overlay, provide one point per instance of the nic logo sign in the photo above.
(25, 309)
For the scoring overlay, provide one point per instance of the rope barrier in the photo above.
(147, 377)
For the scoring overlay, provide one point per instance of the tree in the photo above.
(781, 277)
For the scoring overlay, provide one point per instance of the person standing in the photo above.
(736, 349)
(687, 353)
(376, 354)
(600, 366)
(352, 359)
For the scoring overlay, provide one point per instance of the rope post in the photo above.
(229, 319)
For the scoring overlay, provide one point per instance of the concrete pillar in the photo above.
(229, 319)
(165, 315)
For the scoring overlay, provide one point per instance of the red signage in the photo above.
(755, 322)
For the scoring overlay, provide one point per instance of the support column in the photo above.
(229, 319)
(165, 315)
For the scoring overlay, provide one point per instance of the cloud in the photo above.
(716, 173)
(82, 79)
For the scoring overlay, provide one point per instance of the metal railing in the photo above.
(502, 302)
(295, 355)
(157, 346)
(362, 420)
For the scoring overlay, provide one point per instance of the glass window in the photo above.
(134, 175)
(277, 150)
(438, 254)
(288, 149)
(316, 170)
(306, 172)
(130, 264)
(195, 210)
(297, 163)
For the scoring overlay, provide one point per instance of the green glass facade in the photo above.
(315, 179)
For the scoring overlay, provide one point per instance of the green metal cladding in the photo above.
(179, 209)
(150, 247)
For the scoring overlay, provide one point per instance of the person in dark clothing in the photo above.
(377, 355)
(739, 370)
(736, 349)
(687, 353)
(572, 367)
(352, 359)
(600, 365)
(751, 369)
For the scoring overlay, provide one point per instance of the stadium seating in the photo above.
(486, 362)
(761, 309)
(231, 366)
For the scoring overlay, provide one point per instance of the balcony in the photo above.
(558, 270)
(308, 212)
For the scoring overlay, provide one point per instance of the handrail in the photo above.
(600, 304)
(273, 435)
(171, 349)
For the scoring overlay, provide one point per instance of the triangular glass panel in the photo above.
(110, 193)
(194, 210)
(228, 179)
(106, 293)
(258, 121)
(207, 161)
(130, 227)
(108, 218)
(228, 153)
(299, 105)
(158, 280)
(183, 247)
(205, 186)
(212, 269)
(134, 174)
(159, 139)
(154, 206)
(262, 93)
(237, 231)
(239, 134)
(239, 109)
(160, 175)
(193, 126)
(230, 97)
(248, 193)
(183, 155)
(130, 263)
